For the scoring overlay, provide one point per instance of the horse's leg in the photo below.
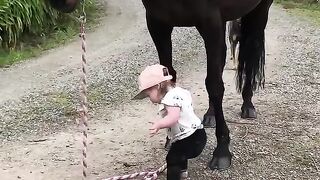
(209, 117)
(161, 36)
(213, 32)
(232, 42)
(229, 24)
(252, 56)
(209, 120)
(233, 47)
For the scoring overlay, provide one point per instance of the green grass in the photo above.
(68, 30)
(303, 8)
(57, 38)
(63, 102)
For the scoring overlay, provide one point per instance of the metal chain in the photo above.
(83, 92)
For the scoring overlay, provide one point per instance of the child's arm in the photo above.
(172, 117)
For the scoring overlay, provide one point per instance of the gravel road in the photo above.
(40, 140)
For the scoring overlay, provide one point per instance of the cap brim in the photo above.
(141, 95)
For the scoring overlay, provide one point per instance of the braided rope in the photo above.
(152, 175)
(84, 113)
(84, 100)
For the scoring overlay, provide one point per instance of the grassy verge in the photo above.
(303, 8)
(67, 30)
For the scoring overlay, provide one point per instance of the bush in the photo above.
(18, 17)
(31, 18)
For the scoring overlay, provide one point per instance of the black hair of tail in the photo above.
(251, 60)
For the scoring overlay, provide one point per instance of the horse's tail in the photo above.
(251, 58)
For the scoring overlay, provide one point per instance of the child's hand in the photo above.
(154, 129)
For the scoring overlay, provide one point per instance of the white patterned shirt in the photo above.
(188, 121)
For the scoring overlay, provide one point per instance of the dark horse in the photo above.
(209, 17)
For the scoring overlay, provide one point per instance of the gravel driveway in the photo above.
(39, 138)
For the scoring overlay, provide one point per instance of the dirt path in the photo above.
(283, 143)
(39, 73)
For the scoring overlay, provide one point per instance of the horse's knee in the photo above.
(65, 6)
(215, 86)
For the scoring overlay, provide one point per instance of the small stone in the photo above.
(95, 173)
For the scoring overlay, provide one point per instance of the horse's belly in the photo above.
(177, 18)
(175, 12)
(232, 9)
(190, 12)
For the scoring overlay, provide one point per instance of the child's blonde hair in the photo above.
(165, 85)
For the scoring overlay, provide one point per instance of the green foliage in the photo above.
(301, 1)
(300, 4)
(307, 9)
(18, 17)
(29, 27)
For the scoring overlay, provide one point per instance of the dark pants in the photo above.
(182, 150)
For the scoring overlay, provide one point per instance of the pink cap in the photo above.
(151, 76)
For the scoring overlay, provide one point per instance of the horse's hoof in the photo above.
(220, 160)
(248, 113)
(220, 163)
(209, 121)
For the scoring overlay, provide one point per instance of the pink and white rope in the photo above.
(84, 100)
(152, 175)
(84, 113)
